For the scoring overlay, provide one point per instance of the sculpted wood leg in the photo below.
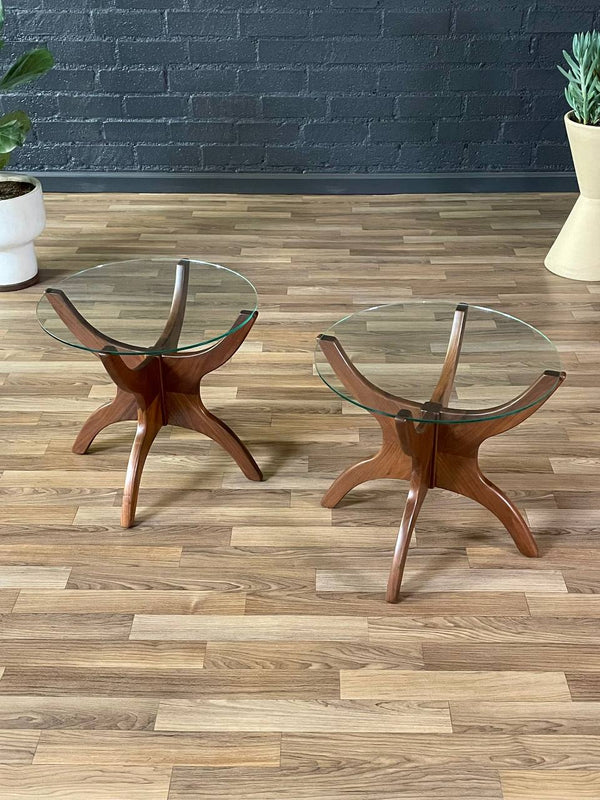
(182, 376)
(420, 442)
(391, 461)
(123, 407)
(457, 467)
(463, 476)
(149, 424)
(188, 411)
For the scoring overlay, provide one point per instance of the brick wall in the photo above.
(297, 85)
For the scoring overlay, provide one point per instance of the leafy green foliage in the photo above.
(583, 88)
(15, 125)
(29, 67)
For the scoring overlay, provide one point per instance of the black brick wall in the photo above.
(297, 85)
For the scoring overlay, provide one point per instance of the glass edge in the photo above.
(446, 421)
(148, 352)
(485, 418)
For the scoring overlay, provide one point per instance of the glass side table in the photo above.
(440, 379)
(145, 319)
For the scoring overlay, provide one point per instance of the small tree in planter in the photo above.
(576, 251)
(22, 215)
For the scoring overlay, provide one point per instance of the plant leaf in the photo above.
(11, 135)
(28, 67)
(20, 117)
(1, 15)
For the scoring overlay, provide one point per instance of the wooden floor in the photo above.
(235, 643)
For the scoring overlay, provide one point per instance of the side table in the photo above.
(427, 371)
(145, 320)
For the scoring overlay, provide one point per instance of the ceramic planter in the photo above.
(576, 251)
(21, 220)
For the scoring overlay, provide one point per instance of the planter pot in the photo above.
(21, 220)
(576, 251)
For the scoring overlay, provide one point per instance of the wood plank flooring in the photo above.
(235, 642)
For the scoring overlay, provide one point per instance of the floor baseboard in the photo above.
(307, 183)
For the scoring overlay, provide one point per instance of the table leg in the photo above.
(419, 441)
(123, 407)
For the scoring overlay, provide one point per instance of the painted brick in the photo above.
(297, 85)
(553, 156)
(430, 157)
(228, 155)
(488, 21)
(295, 156)
(293, 107)
(155, 52)
(201, 80)
(141, 80)
(408, 23)
(342, 79)
(493, 51)
(401, 79)
(89, 106)
(116, 24)
(495, 156)
(384, 51)
(279, 24)
(286, 51)
(194, 24)
(125, 131)
(263, 132)
(173, 156)
(39, 106)
(480, 79)
(429, 106)
(201, 132)
(225, 52)
(401, 131)
(359, 23)
(264, 81)
(533, 130)
(533, 79)
(366, 107)
(150, 106)
(54, 24)
(497, 105)
(557, 20)
(58, 131)
(475, 130)
(225, 106)
(83, 52)
(102, 156)
(334, 132)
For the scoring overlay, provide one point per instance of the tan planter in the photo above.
(576, 251)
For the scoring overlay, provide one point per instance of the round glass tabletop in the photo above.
(131, 303)
(399, 351)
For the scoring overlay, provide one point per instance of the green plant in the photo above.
(15, 125)
(583, 90)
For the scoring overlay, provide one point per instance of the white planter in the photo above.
(21, 220)
(576, 251)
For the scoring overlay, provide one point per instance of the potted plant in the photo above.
(576, 251)
(22, 216)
